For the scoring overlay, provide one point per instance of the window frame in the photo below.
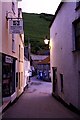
(54, 78)
(19, 80)
(62, 84)
(77, 5)
(19, 52)
(74, 23)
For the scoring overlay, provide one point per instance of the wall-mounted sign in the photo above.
(8, 59)
(16, 26)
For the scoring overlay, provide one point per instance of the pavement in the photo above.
(37, 102)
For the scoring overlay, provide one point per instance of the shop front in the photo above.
(8, 76)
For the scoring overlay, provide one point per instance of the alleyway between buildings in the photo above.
(37, 102)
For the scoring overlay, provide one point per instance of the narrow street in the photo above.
(37, 102)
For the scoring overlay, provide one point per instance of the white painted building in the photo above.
(65, 53)
(26, 71)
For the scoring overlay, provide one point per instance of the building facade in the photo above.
(65, 53)
(36, 59)
(26, 71)
(12, 52)
(44, 68)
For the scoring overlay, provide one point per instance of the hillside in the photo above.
(36, 27)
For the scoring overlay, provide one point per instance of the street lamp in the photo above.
(46, 41)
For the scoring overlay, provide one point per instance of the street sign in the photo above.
(16, 26)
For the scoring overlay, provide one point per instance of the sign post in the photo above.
(16, 26)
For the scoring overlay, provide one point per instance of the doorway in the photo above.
(55, 80)
(79, 90)
(8, 76)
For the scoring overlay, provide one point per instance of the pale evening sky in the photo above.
(39, 6)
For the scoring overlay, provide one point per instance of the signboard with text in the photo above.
(8, 59)
(16, 26)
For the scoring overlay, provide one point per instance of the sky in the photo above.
(39, 6)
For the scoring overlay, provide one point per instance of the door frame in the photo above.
(54, 79)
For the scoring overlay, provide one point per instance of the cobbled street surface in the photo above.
(37, 102)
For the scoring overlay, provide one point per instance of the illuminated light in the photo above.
(46, 41)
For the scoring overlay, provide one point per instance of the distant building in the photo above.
(37, 58)
(44, 66)
(65, 53)
(27, 66)
(26, 71)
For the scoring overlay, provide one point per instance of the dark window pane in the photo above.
(16, 79)
(77, 35)
(61, 77)
(78, 4)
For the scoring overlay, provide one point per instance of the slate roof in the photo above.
(38, 57)
(45, 61)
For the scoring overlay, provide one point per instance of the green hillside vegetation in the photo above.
(36, 27)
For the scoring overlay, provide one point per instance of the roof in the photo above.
(38, 57)
(59, 7)
(45, 61)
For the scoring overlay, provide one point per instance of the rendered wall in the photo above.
(61, 55)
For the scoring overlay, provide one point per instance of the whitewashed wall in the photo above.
(61, 55)
(26, 71)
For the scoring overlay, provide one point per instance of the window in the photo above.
(13, 43)
(16, 79)
(77, 5)
(77, 34)
(6, 77)
(19, 80)
(54, 79)
(19, 52)
(61, 78)
(79, 90)
(19, 12)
